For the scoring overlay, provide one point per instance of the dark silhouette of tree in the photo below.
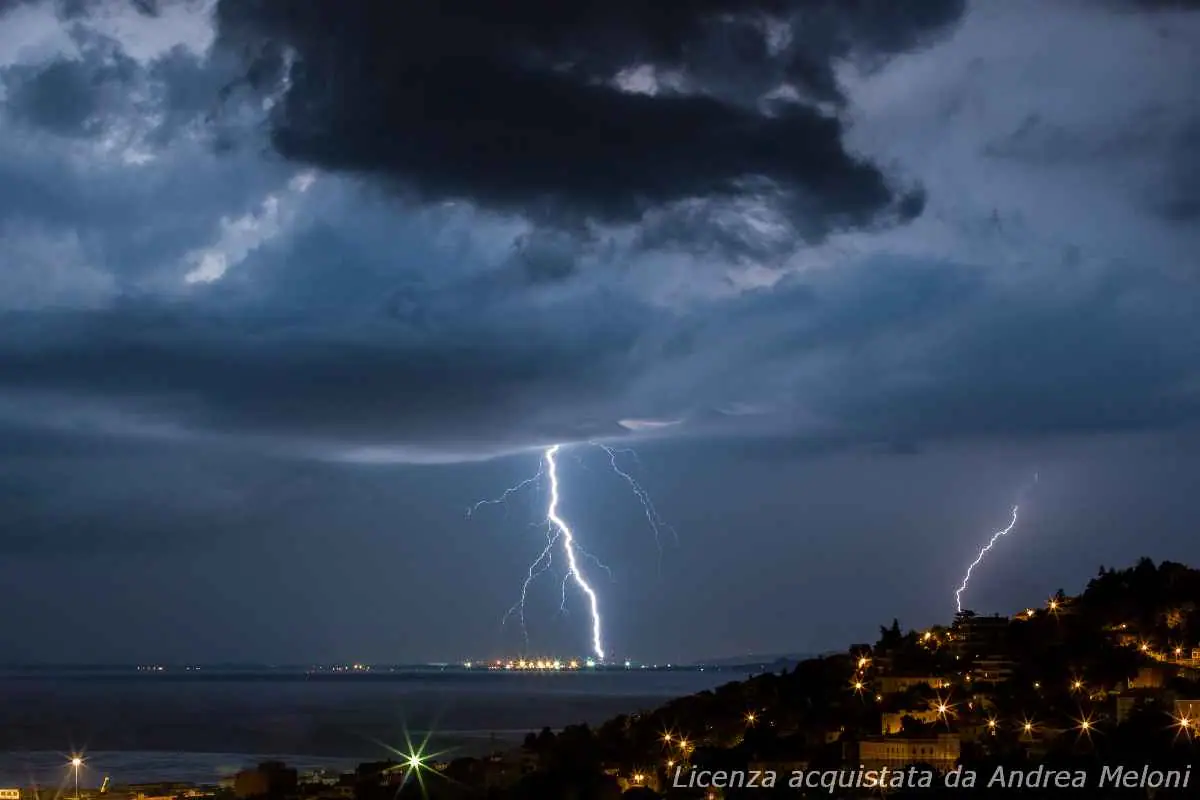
(890, 638)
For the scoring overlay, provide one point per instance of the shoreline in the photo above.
(49, 769)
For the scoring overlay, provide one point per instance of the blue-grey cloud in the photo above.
(171, 275)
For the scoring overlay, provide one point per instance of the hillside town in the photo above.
(1104, 680)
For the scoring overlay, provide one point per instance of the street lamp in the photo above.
(76, 763)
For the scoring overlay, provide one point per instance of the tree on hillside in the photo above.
(890, 638)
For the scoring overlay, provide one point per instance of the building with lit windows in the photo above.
(940, 752)
(893, 721)
(976, 635)
(1188, 709)
(891, 684)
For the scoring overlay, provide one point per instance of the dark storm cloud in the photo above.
(907, 353)
(450, 381)
(893, 353)
(515, 106)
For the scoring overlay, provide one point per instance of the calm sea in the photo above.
(143, 727)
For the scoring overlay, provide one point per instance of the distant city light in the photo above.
(535, 664)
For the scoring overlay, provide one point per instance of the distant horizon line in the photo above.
(365, 666)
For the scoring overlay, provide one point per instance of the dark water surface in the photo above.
(140, 727)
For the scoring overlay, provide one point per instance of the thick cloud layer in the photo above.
(583, 111)
(243, 244)
(168, 275)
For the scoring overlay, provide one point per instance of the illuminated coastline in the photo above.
(536, 664)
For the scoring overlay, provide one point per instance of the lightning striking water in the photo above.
(995, 538)
(558, 531)
(991, 543)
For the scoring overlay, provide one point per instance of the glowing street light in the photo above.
(416, 764)
(76, 763)
(1185, 726)
(414, 760)
(750, 717)
(1086, 726)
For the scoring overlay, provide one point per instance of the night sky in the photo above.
(285, 287)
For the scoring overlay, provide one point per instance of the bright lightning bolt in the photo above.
(995, 538)
(544, 559)
(503, 498)
(568, 540)
(652, 517)
(992, 542)
(557, 531)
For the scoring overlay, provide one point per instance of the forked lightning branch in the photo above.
(560, 535)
